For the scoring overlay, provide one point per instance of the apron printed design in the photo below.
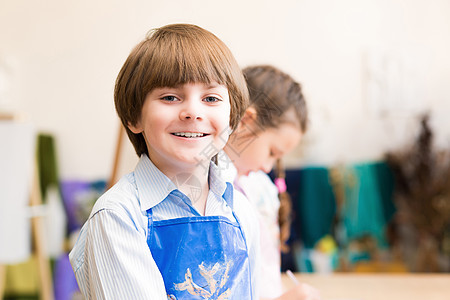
(215, 292)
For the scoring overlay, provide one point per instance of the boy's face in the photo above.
(186, 125)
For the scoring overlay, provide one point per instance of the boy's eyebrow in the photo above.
(164, 89)
(178, 87)
(209, 85)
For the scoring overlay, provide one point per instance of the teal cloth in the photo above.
(385, 179)
(315, 205)
(368, 205)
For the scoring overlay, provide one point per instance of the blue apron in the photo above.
(201, 257)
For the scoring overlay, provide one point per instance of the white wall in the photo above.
(353, 57)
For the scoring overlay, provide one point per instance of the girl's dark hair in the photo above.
(173, 55)
(277, 99)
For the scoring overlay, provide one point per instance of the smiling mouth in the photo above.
(190, 134)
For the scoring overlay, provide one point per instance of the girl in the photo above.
(271, 127)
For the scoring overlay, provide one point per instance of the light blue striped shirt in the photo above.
(111, 258)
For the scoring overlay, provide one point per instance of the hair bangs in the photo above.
(179, 59)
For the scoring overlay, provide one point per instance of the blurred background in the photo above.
(369, 182)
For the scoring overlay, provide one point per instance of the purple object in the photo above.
(69, 189)
(65, 283)
(79, 197)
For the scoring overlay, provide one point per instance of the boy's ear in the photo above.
(137, 128)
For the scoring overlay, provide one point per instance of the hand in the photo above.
(301, 291)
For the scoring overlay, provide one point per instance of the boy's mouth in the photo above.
(190, 134)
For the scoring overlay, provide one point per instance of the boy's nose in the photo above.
(191, 111)
(185, 115)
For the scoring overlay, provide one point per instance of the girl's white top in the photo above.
(263, 196)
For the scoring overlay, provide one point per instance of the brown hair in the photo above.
(277, 99)
(173, 55)
(285, 210)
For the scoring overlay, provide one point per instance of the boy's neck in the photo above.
(197, 195)
(191, 181)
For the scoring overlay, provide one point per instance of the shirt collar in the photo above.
(217, 184)
(154, 186)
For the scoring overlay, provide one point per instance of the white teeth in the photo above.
(189, 134)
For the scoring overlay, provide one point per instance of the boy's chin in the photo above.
(195, 160)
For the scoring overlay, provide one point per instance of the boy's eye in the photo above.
(170, 98)
(212, 99)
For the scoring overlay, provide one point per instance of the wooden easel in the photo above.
(113, 177)
(125, 157)
(44, 270)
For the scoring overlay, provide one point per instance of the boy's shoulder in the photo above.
(122, 198)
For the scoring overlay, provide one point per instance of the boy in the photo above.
(173, 228)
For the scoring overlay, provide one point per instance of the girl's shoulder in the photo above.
(261, 177)
(258, 185)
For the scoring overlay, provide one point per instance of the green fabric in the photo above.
(368, 203)
(47, 165)
(315, 205)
